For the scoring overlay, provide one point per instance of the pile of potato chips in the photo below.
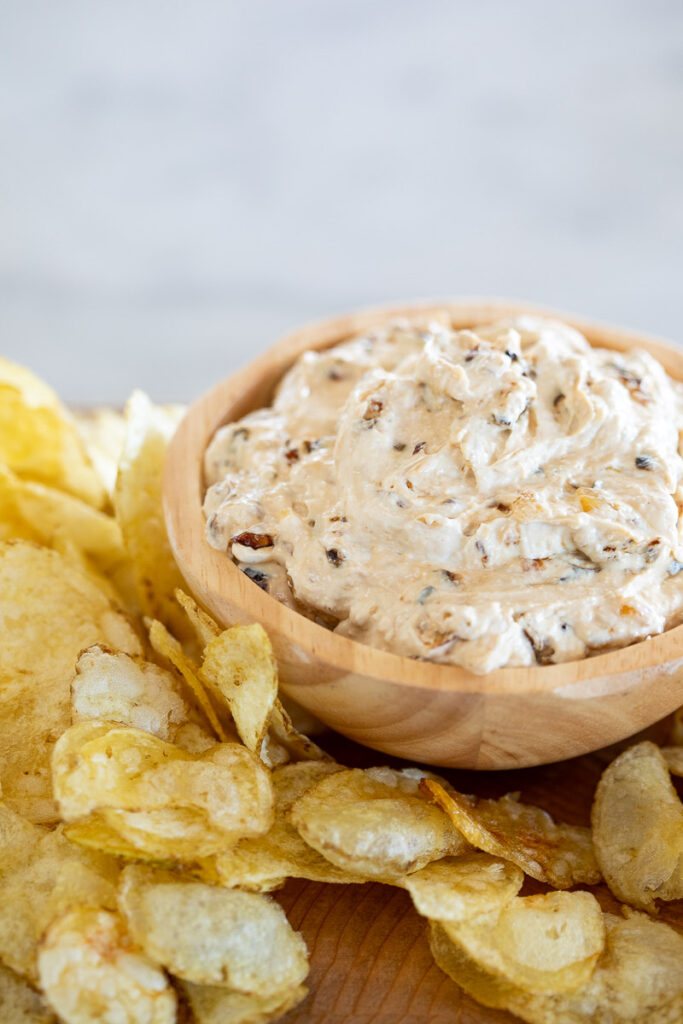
(154, 789)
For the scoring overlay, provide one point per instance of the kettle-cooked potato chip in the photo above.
(240, 668)
(41, 874)
(459, 888)
(104, 433)
(168, 647)
(638, 979)
(674, 759)
(21, 1004)
(212, 1005)
(205, 628)
(116, 687)
(38, 438)
(139, 512)
(560, 855)
(638, 828)
(545, 943)
(158, 797)
(50, 610)
(212, 936)
(375, 823)
(265, 862)
(92, 973)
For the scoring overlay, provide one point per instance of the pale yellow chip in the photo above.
(560, 855)
(51, 516)
(544, 943)
(638, 828)
(104, 433)
(375, 823)
(240, 668)
(638, 979)
(264, 863)
(212, 1005)
(210, 935)
(138, 506)
(39, 439)
(168, 647)
(91, 973)
(50, 610)
(116, 687)
(21, 1004)
(41, 874)
(459, 888)
(168, 803)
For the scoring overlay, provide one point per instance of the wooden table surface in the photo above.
(370, 958)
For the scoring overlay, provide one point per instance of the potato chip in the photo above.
(168, 647)
(21, 1004)
(264, 863)
(638, 828)
(52, 515)
(374, 823)
(137, 502)
(104, 433)
(159, 798)
(39, 440)
(204, 626)
(283, 742)
(674, 759)
(49, 611)
(559, 855)
(458, 888)
(638, 979)
(118, 688)
(677, 728)
(41, 874)
(240, 669)
(544, 943)
(212, 936)
(91, 972)
(212, 1005)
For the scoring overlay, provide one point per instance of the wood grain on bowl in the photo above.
(438, 714)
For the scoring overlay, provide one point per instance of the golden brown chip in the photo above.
(264, 863)
(49, 611)
(544, 943)
(459, 888)
(638, 979)
(118, 688)
(677, 728)
(204, 626)
(41, 874)
(39, 440)
(240, 668)
(212, 936)
(638, 828)
(168, 647)
(560, 855)
(137, 502)
(159, 798)
(283, 742)
(212, 1005)
(92, 974)
(375, 823)
(21, 1004)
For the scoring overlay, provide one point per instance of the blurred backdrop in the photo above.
(180, 183)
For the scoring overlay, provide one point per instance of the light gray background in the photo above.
(182, 182)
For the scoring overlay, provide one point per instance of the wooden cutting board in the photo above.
(370, 958)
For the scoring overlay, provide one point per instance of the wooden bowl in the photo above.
(437, 714)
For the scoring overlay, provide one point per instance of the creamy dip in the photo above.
(500, 496)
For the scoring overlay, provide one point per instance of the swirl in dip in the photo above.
(500, 496)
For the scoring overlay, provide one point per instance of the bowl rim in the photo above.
(183, 493)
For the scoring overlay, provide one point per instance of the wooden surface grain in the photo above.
(370, 958)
